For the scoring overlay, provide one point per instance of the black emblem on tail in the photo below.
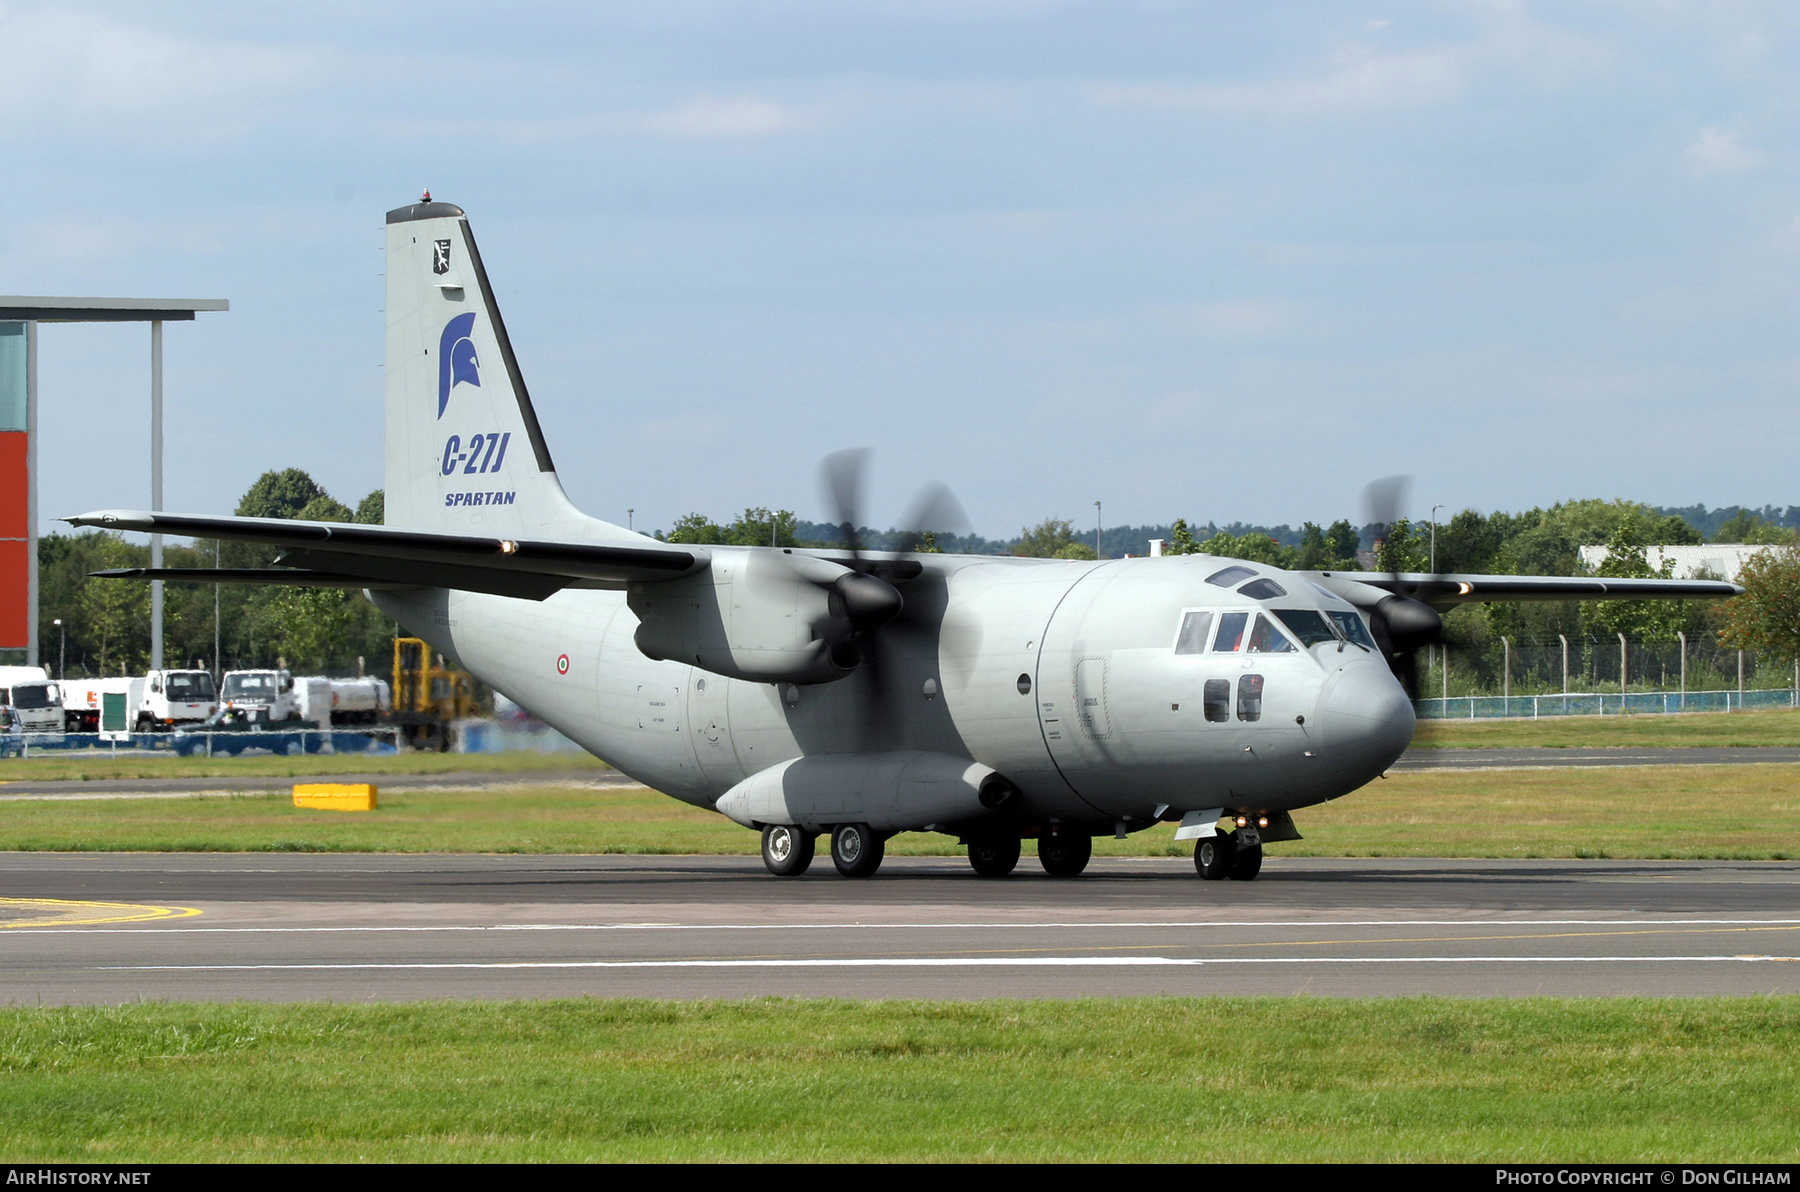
(440, 256)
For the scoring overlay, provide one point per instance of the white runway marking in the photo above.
(855, 926)
(933, 962)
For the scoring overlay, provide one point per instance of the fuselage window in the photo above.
(1218, 700)
(1229, 576)
(1262, 589)
(1266, 639)
(1353, 628)
(1250, 689)
(1231, 633)
(1309, 626)
(1193, 633)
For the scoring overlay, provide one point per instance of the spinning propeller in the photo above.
(1402, 624)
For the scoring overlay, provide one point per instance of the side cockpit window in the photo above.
(1231, 633)
(1229, 576)
(1192, 639)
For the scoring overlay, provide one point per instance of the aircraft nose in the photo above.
(1366, 718)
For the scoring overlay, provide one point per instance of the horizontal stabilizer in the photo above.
(411, 558)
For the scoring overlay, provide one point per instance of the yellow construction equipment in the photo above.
(429, 699)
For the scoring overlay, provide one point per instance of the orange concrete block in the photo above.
(335, 796)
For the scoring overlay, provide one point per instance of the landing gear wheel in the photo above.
(1064, 856)
(1213, 856)
(856, 850)
(787, 850)
(994, 856)
(1246, 861)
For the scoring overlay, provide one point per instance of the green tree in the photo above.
(372, 509)
(1077, 550)
(1642, 620)
(1405, 548)
(1181, 540)
(760, 527)
(696, 529)
(1253, 548)
(1766, 618)
(1047, 540)
(116, 612)
(280, 494)
(1327, 550)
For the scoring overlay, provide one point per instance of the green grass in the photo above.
(96, 765)
(1255, 1080)
(1746, 812)
(1761, 726)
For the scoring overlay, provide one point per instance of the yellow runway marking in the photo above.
(63, 912)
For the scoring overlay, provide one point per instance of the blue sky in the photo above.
(1221, 261)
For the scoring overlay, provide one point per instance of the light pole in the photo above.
(1434, 510)
(631, 519)
(62, 648)
(1096, 529)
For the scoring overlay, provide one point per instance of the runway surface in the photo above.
(110, 928)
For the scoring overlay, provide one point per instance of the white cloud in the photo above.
(1356, 82)
(1720, 151)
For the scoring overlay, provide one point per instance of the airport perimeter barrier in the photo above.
(1591, 703)
(203, 744)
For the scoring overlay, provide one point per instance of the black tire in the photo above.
(994, 856)
(787, 851)
(1064, 856)
(1246, 861)
(1213, 856)
(856, 850)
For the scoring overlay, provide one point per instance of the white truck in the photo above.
(36, 700)
(271, 690)
(156, 702)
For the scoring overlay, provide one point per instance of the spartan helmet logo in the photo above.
(457, 362)
(440, 257)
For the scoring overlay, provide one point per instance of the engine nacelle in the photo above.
(762, 615)
(891, 792)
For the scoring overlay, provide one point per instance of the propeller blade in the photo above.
(1384, 500)
(936, 510)
(841, 476)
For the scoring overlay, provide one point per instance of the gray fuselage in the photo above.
(1065, 677)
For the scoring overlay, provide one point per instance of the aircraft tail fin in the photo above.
(464, 449)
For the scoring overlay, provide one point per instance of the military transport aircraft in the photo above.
(853, 692)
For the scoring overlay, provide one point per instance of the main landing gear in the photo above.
(1064, 856)
(1227, 856)
(994, 856)
(787, 851)
(856, 849)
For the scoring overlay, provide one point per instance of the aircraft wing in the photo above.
(1446, 590)
(339, 554)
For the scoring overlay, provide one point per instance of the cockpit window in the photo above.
(1229, 576)
(1266, 639)
(1231, 633)
(1262, 589)
(1309, 626)
(1193, 633)
(1353, 628)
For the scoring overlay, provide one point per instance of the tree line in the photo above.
(106, 623)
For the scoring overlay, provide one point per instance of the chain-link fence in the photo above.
(203, 744)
